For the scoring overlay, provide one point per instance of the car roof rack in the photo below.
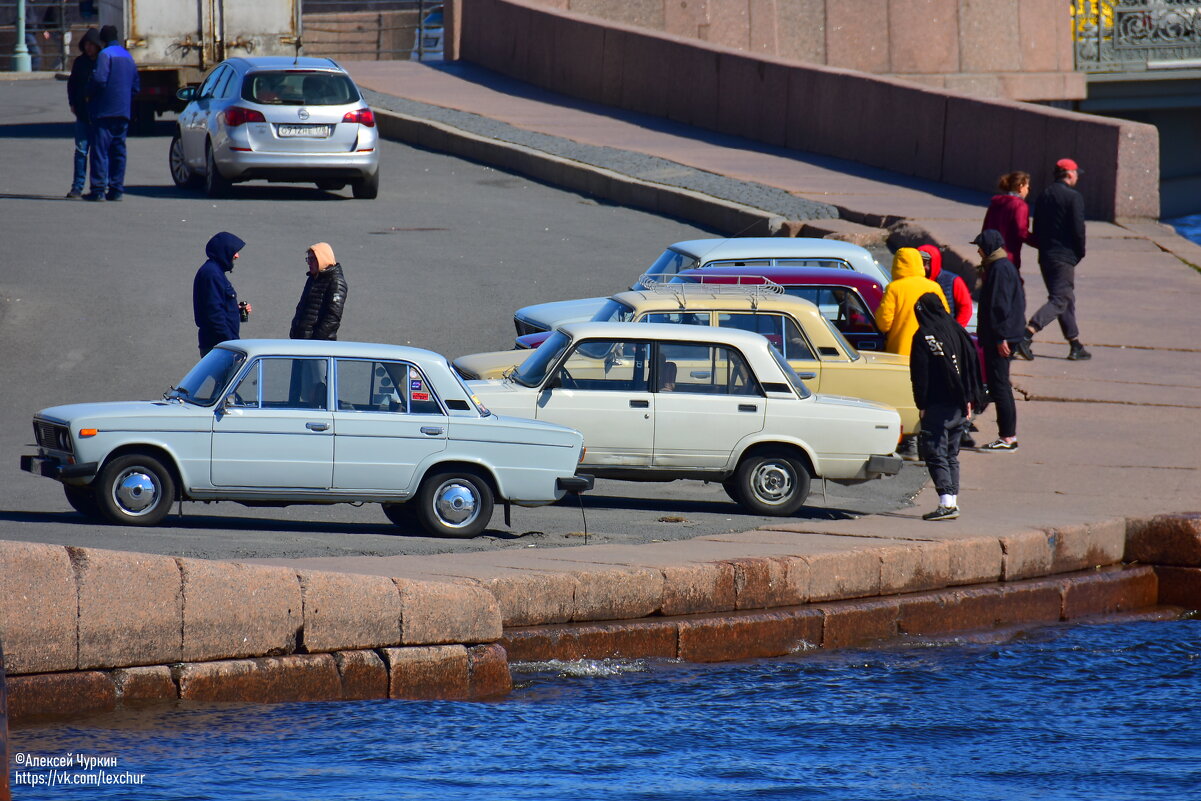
(703, 283)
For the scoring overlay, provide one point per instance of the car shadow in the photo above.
(685, 507)
(66, 130)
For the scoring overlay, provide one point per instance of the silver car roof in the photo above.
(244, 64)
(666, 331)
(769, 247)
(314, 348)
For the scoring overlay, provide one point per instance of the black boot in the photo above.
(1077, 352)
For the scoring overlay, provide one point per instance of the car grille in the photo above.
(524, 328)
(52, 436)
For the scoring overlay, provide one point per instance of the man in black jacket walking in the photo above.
(1000, 313)
(319, 312)
(81, 71)
(1059, 235)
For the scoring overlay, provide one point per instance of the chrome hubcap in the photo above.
(456, 503)
(772, 482)
(135, 491)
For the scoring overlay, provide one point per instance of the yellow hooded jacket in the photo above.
(895, 317)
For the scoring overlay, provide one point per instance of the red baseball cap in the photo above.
(1067, 164)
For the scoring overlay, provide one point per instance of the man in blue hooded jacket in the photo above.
(214, 299)
(110, 93)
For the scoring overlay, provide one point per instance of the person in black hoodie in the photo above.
(946, 390)
(1000, 325)
(319, 312)
(81, 71)
(214, 300)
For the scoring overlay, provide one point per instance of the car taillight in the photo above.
(236, 115)
(362, 116)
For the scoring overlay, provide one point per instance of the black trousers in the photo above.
(996, 373)
(942, 428)
(1060, 278)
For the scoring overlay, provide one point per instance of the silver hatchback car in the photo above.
(276, 119)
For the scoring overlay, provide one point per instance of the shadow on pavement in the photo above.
(727, 508)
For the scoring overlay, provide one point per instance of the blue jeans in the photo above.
(108, 155)
(81, 154)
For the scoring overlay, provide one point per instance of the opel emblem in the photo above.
(303, 114)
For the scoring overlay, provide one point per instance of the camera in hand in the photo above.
(243, 312)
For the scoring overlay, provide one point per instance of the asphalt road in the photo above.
(95, 304)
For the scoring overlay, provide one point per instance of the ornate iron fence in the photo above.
(1136, 35)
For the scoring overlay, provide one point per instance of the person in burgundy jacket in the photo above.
(1009, 213)
(953, 287)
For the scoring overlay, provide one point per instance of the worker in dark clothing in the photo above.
(81, 73)
(946, 390)
(1001, 311)
(110, 90)
(215, 304)
(319, 312)
(1059, 236)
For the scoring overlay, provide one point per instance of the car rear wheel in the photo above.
(366, 188)
(455, 504)
(400, 514)
(181, 173)
(135, 490)
(215, 184)
(83, 500)
(770, 483)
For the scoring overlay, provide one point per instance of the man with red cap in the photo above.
(1059, 236)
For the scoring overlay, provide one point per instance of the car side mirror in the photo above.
(186, 94)
(554, 382)
(229, 402)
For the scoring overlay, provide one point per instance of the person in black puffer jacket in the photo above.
(319, 312)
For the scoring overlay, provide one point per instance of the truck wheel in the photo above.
(135, 490)
(215, 184)
(83, 500)
(181, 173)
(455, 504)
(770, 483)
(366, 188)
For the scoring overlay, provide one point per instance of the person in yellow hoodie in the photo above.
(895, 317)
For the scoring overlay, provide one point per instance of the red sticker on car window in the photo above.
(421, 396)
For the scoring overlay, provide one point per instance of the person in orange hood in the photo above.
(319, 312)
(895, 317)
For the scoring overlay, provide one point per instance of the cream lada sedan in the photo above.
(279, 422)
(659, 402)
(812, 344)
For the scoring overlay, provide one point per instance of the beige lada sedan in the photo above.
(664, 402)
(813, 346)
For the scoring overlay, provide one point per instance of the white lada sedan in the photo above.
(279, 422)
(658, 402)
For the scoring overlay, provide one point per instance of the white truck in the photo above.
(174, 42)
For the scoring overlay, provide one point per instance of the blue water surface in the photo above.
(1076, 712)
(1189, 227)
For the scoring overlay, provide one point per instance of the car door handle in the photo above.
(316, 426)
(807, 376)
(747, 407)
(640, 404)
(432, 431)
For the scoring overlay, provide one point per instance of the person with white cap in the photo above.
(1059, 236)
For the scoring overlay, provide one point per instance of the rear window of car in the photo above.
(299, 88)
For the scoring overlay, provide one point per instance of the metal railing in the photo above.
(1136, 35)
(52, 27)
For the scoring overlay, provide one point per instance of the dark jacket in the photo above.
(1010, 214)
(81, 71)
(1059, 224)
(113, 83)
(319, 312)
(1001, 314)
(214, 300)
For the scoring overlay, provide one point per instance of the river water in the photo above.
(1093, 712)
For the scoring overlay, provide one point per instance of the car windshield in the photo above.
(789, 373)
(299, 88)
(613, 312)
(532, 371)
(670, 263)
(211, 375)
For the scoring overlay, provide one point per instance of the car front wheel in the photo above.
(181, 173)
(83, 500)
(770, 483)
(456, 504)
(135, 490)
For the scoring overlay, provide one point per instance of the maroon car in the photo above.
(847, 298)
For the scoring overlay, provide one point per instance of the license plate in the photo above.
(316, 131)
